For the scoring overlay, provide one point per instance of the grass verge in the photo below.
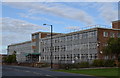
(106, 72)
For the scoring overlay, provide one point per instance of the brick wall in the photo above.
(103, 40)
(116, 24)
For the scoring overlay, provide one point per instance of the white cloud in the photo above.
(15, 31)
(29, 16)
(108, 12)
(10, 24)
(39, 18)
(73, 28)
(56, 9)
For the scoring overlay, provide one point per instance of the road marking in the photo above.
(27, 71)
(47, 75)
(51, 76)
(36, 73)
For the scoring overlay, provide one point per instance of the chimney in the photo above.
(116, 24)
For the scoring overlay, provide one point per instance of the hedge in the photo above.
(103, 63)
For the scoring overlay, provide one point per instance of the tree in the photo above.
(112, 48)
(10, 58)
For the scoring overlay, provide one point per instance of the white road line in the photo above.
(51, 76)
(36, 73)
(47, 75)
(27, 71)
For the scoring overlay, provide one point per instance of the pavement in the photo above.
(31, 72)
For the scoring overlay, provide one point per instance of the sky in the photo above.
(20, 19)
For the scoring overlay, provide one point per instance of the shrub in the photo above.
(67, 66)
(109, 63)
(83, 64)
(45, 65)
(119, 64)
(103, 63)
(10, 59)
(98, 63)
(119, 59)
(75, 65)
(63, 66)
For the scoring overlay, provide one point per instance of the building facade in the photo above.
(36, 44)
(28, 51)
(84, 45)
(21, 49)
(71, 47)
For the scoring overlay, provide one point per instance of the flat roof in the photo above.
(95, 28)
(62, 34)
(45, 32)
(116, 21)
(20, 43)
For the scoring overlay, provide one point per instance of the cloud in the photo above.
(73, 28)
(29, 16)
(108, 12)
(15, 31)
(9, 24)
(57, 10)
(39, 18)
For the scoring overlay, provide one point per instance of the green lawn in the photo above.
(106, 72)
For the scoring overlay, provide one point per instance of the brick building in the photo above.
(83, 45)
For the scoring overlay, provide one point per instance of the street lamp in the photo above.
(76, 58)
(51, 56)
(101, 52)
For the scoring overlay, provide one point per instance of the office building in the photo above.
(83, 45)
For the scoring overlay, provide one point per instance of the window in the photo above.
(61, 39)
(67, 56)
(55, 57)
(78, 56)
(92, 33)
(93, 45)
(55, 41)
(82, 56)
(90, 56)
(75, 36)
(84, 35)
(95, 56)
(105, 34)
(34, 36)
(112, 34)
(80, 36)
(86, 55)
(69, 38)
(64, 39)
(43, 50)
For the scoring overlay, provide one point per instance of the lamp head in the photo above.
(44, 24)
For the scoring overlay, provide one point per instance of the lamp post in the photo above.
(88, 57)
(51, 56)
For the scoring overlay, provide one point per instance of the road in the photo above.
(31, 72)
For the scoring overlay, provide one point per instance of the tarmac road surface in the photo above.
(31, 72)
